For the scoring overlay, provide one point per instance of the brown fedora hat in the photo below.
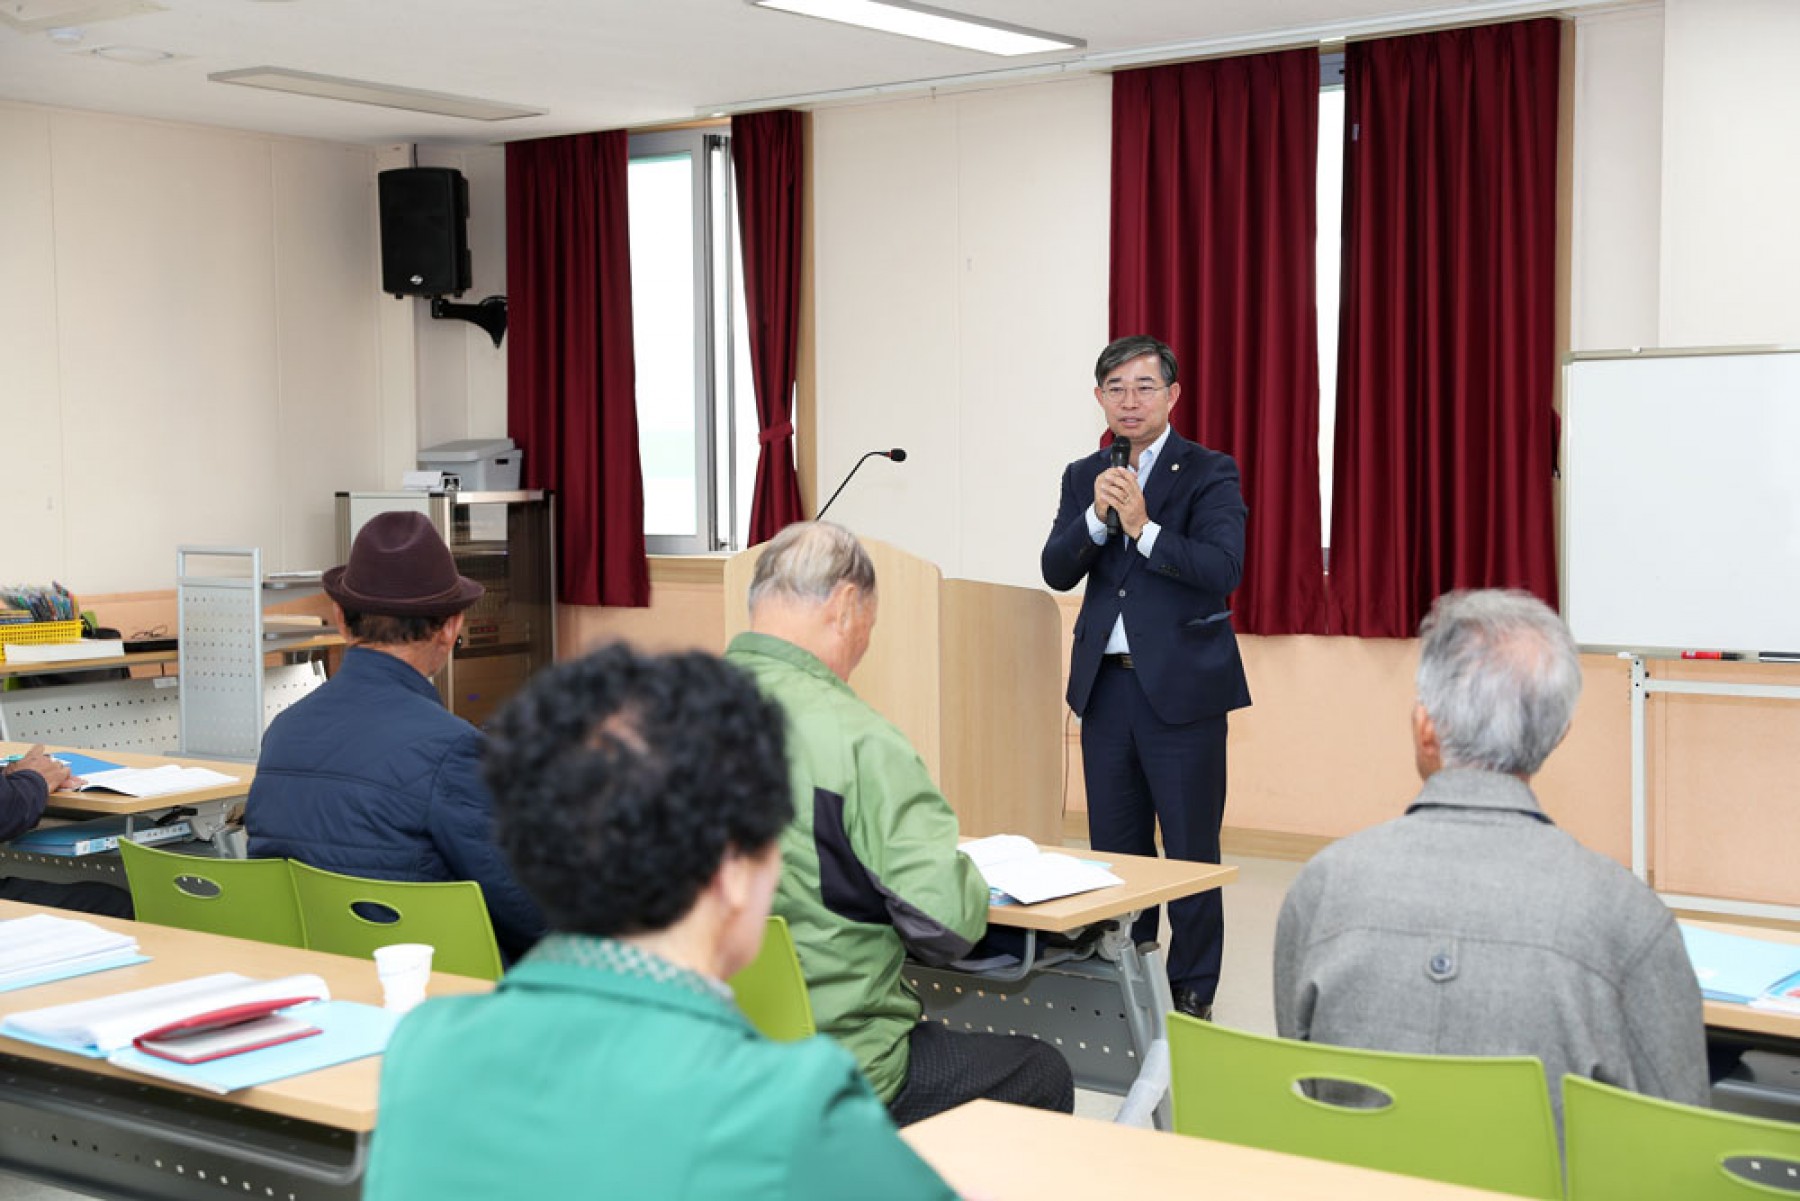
(399, 567)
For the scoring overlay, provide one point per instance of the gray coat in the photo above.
(1473, 926)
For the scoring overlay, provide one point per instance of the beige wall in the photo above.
(191, 346)
(961, 280)
(461, 374)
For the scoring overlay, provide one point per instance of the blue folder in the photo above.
(347, 1031)
(84, 765)
(1732, 967)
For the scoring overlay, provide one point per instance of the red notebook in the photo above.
(222, 1032)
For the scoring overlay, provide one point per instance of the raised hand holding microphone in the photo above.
(1119, 456)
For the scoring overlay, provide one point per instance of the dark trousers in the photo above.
(1143, 772)
(947, 1068)
(87, 897)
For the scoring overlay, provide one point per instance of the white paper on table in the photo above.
(166, 780)
(1013, 864)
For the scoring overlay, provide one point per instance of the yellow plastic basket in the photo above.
(41, 631)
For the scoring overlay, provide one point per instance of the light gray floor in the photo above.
(1246, 997)
(1245, 1000)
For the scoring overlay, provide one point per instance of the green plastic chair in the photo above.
(242, 898)
(1622, 1145)
(349, 915)
(772, 991)
(1477, 1121)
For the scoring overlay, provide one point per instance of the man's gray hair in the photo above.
(808, 559)
(1499, 675)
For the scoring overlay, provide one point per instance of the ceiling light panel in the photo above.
(929, 24)
(38, 16)
(360, 91)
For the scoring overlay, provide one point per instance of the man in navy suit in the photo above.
(1155, 665)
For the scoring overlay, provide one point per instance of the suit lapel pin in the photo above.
(1174, 466)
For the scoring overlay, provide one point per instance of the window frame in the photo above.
(714, 297)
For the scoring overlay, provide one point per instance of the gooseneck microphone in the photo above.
(1121, 457)
(897, 455)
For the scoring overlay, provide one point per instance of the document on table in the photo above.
(102, 1025)
(1733, 967)
(41, 948)
(1016, 866)
(166, 780)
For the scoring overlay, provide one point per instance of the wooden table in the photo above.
(83, 1123)
(989, 1151)
(319, 642)
(1102, 1005)
(211, 813)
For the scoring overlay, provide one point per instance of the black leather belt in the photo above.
(1118, 661)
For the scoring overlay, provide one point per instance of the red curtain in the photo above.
(1446, 352)
(570, 374)
(766, 154)
(1213, 195)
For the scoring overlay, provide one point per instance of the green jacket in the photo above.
(870, 869)
(599, 1070)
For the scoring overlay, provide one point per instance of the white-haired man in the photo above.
(870, 869)
(1471, 925)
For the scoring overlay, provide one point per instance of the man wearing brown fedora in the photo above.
(371, 775)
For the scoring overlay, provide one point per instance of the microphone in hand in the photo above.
(1120, 452)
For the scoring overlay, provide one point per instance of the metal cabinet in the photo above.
(505, 541)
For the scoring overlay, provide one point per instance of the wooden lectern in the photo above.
(971, 673)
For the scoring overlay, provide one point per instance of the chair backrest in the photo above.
(350, 915)
(243, 898)
(1476, 1121)
(1625, 1145)
(772, 991)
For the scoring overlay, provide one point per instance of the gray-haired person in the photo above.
(1471, 925)
(870, 871)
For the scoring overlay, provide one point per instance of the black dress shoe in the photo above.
(1188, 1001)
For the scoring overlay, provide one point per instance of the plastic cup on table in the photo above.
(404, 969)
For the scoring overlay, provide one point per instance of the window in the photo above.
(1329, 242)
(695, 405)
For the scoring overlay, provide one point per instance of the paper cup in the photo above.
(404, 969)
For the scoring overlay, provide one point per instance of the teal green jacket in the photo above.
(599, 1070)
(870, 869)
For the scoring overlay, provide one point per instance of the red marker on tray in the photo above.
(1729, 655)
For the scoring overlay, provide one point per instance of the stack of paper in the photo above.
(62, 652)
(1013, 864)
(41, 948)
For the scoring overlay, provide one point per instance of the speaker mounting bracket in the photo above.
(490, 314)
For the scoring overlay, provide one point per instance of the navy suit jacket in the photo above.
(1174, 602)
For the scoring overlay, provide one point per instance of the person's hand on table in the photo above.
(55, 772)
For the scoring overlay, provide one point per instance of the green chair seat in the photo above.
(350, 915)
(772, 991)
(1623, 1145)
(242, 898)
(1476, 1121)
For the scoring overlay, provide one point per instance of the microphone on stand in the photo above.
(1121, 457)
(897, 455)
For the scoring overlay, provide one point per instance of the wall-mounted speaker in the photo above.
(424, 232)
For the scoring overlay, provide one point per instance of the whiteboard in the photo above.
(1681, 501)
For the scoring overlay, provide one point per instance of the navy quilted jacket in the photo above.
(372, 776)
